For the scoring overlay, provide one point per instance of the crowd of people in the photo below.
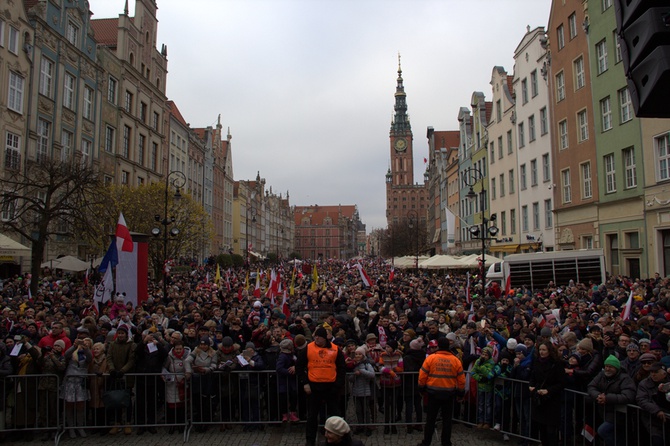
(382, 348)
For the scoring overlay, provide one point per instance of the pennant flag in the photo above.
(391, 274)
(292, 288)
(105, 290)
(124, 241)
(588, 433)
(315, 279)
(508, 285)
(364, 276)
(207, 277)
(629, 305)
(284, 306)
(467, 289)
(85, 277)
(111, 258)
(217, 278)
(257, 289)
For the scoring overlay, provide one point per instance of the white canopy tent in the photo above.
(9, 247)
(443, 262)
(407, 261)
(66, 263)
(472, 262)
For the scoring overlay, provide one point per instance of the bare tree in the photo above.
(405, 239)
(50, 197)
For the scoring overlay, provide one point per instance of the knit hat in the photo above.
(392, 343)
(488, 350)
(286, 346)
(451, 336)
(443, 344)
(522, 349)
(59, 342)
(299, 341)
(337, 426)
(613, 361)
(545, 332)
(655, 345)
(417, 344)
(250, 345)
(321, 332)
(361, 350)
(512, 343)
(411, 333)
(644, 341)
(227, 341)
(633, 347)
(586, 344)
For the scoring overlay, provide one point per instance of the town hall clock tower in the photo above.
(402, 195)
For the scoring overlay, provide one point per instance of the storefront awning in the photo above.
(9, 247)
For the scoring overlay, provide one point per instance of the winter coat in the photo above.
(51, 364)
(286, 382)
(589, 366)
(652, 401)
(412, 362)
(203, 363)
(121, 358)
(149, 362)
(482, 372)
(619, 390)
(175, 378)
(391, 365)
(550, 375)
(361, 383)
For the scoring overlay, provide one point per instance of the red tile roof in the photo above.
(510, 81)
(447, 139)
(105, 31)
(489, 110)
(174, 111)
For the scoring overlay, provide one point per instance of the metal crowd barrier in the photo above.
(48, 406)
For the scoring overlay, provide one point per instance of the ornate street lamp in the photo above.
(177, 180)
(486, 230)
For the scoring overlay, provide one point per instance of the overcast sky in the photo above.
(306, 86)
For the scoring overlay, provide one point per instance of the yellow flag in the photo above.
(315, 279)
(292, 287)
(217, 278)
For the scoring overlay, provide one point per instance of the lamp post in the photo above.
(486, 230)
(413, 218)
(282, 234)
(177, 179)
(253, 220)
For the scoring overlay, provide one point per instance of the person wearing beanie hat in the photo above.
(631, 363)
(337, 431)
(300, 342)
(483, 373)
(611, 389)
(512, 344)
(362, 378)
(321, 370)
(585, 344)
(287, 387)
(391, 364)
(442, 373)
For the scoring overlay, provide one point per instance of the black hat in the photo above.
(321, 332)
(227, 341)
(443, 343)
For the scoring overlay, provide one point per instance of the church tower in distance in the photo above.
(402, 195)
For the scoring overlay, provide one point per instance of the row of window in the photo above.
(9, 37)
(110, 142)
(527, 219)
(609, 166)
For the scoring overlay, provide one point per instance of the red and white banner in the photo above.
(124, 241)
(132, 272)
(364, 276)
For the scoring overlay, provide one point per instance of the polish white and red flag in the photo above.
(364, 276)
(124, 241)
(629, 305)
(284, 306)
(391, 274)
(257, 288)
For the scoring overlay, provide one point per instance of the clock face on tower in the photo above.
(400, 145)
